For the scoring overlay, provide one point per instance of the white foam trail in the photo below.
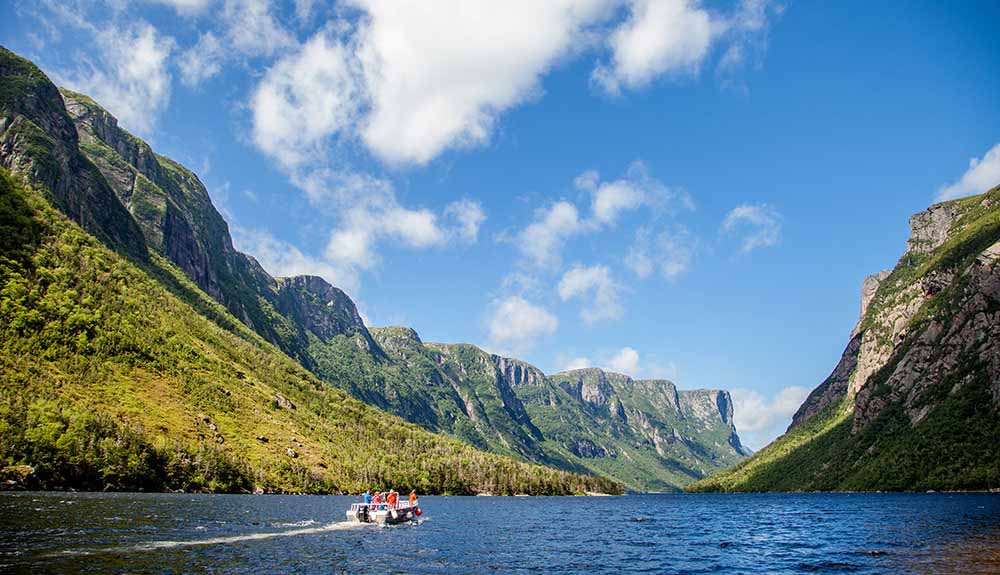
(155, 545)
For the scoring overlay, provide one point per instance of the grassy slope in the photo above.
(955, 447)
(418, 389)
(111, 380)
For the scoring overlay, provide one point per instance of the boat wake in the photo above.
(172, 544)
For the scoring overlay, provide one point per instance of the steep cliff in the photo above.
(38, 141)
(159, 215)
(645, 433)
(110, 381)
(153, 367)
(914, 402)
(176, 215)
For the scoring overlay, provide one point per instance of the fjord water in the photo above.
(753, 533)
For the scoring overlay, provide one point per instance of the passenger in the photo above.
(377, 500)
(368, 496)
(392, 498)
(413, 498)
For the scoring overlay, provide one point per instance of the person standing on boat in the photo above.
(413, 498)
(392, 498)
(368, 496)
(378, 499)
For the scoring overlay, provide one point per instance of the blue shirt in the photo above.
(368, 497)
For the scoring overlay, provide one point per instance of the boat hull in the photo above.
(381, 515)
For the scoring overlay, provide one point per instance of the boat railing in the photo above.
(400, 506)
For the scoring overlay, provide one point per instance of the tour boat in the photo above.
(383, 513)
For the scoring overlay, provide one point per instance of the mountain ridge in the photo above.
(914, 402)
(455, 389)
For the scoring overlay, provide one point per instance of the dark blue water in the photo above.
(794, 533)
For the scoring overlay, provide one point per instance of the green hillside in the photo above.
(918, 405)
(160, 218)
(110, 380)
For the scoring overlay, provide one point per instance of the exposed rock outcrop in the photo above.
(914, 402)
(39, 141)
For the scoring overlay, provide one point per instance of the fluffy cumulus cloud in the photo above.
(469, 216)
(758, 419)
(424, 77)
(439, 73)
(626, 361)
(596, 287)
(669, 252)
(130, 75)
(756, 226)
(428, 77)
(375, 215)
(982, 175)
(541, 241)
(515, 324)
(302, 101)
(658, 37)
(569, 362)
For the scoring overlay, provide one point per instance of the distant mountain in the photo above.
(914, 402)
(158, 216)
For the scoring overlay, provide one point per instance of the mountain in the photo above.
(157, 215)
(112, 381)
(138, 348)
(646, 433)
(914, 402)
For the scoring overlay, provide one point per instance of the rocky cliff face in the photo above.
(159, 214)
(689, 432)
(890, 300)
(914, 402)
(38, 141)
(326, 311)
(176, 215)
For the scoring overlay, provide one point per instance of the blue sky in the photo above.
(666, 188)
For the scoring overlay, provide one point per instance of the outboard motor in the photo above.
(362, 514)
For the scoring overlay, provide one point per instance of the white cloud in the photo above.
(252, 29)
(747, 28)
(758, 225)
(186, 7)
(671, 252)
(131, 77)
(427, 76)
(439, 73)
(302, 100)
(625, 361)
(282, 259)
(659, 36)
(369, 213)
(596, 284)
(201, 61)
(758, 420)
(469, 216)
(569, 363)
(353, 241)
(542, 240)
(981, 176)
(514, 324)
(612, 198)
